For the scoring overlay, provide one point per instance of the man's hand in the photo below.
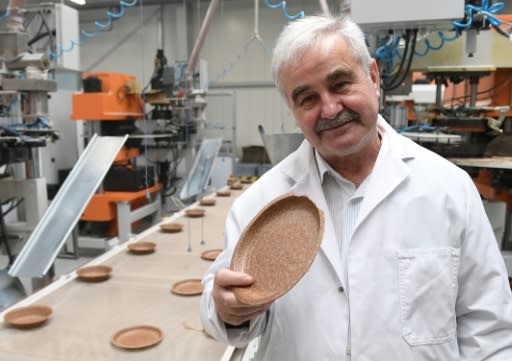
(229, 308)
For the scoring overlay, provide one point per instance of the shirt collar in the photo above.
(325, 169)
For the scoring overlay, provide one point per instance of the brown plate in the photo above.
(194, 212)
(142, 247)
(236, 186)
(223, 193)
(28, 317)
(278, 247)
(211, 254)
(171, 227)
(207, 202)
(246, 180)
(137, 337)
(96, 273)
(190, 287)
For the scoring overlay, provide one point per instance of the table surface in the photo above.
(86, 315)
(489, 162)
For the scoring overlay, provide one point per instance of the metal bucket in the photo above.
(280, 145)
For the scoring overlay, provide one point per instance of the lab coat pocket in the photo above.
(428, 291)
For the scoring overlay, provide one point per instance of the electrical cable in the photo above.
(501, 31)
(40, 36)
(84, 35)
(145, 126)
(490, 90)
(486, 10)
(386, 84)
(282, 6)
(395, 85)
(45, 23)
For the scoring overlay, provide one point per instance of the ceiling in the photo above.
(105, 4)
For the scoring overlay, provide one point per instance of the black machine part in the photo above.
(123, 179)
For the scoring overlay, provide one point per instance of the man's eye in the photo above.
(341, 85)
(307, 100)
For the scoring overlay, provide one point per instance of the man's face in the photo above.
(333, 98)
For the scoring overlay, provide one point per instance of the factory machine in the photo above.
(111, 103)
(447, 83)
(177, 103)
(25, 128)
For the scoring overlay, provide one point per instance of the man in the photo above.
(408, 268)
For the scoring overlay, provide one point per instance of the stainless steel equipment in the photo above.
(280, 145)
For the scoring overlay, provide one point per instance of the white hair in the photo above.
(299, 35)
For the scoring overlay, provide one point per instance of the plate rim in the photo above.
(177, 283)
(150, 249)
(135, 327)
(210, 250)
(207, 202)
(47, 310)
(225, 193)
(179, 227)
(195, 212)
(234, 260)
(80, 272)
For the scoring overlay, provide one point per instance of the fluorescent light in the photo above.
(79, 2)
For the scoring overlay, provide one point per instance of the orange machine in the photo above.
(113, 99)
(107, 97)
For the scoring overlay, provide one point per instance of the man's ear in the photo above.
(374, 75)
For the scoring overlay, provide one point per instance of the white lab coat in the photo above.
(426, 280)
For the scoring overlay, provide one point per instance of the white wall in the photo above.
(118, 51)
(257, 101)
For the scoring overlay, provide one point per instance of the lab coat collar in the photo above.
(389, 171)
(307, 182)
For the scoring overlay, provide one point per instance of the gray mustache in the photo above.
(342, 117)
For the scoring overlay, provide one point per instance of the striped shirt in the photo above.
(344, 201)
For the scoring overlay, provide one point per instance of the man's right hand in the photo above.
(229, 308)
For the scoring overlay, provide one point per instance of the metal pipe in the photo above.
(200, 37)
(473, 82)
(38, 60)
(345, 6)
(325, 7)
(256, 17)
(439, 92)
(160, 28)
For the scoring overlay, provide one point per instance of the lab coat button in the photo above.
(340, 289)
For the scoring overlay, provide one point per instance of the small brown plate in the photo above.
(223, 193)
(194, 212)
(137, 337)
(28, 317)
(207, 202)
(211, 254)
(236, 186)
(246, 181)
(171, 227)
(142, 247)
(277, 248)
(96, 273)
(189, 287)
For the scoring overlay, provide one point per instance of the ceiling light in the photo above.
(79, 2)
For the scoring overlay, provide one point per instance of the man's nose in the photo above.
(331, 107)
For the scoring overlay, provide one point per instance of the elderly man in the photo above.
(408, 268)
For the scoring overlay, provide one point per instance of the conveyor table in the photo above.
(86, 315)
